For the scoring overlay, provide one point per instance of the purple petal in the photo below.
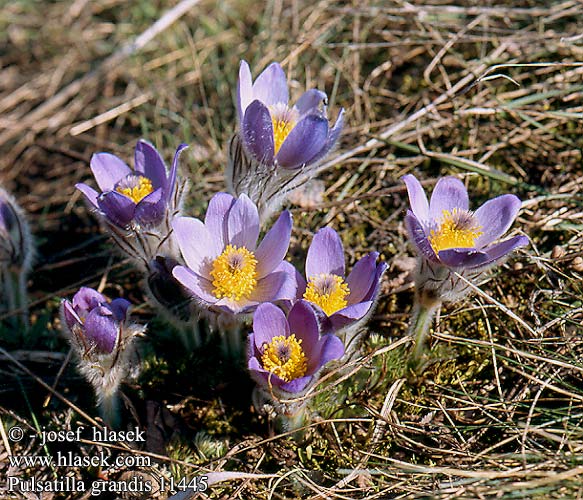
(495, 217)
(270, 87)
(268, 322)
(117, 207)
(244, 90)
(331, 140)
(272, 249)
(333, 349)
(449, 193)
(148, 162)
(362, 277)
(271, 288)
(216, 217)
(288, 294)
(326, 254)
(108, 170)
(374, 289)
(196, 244)
(257, 132)
(102, 329)
(500, 250)
(89, 193)
(119, 308)
(462, 258)
(310, 101)
(69, 315)
(304, 142)
(296, 385)
(151, 209)
(170, 186)
(199, 286)
(417, 197)
(418, 237)
(304, 324)
(87, 298)
(350, 314)
(243, 223)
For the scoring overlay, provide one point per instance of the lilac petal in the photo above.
(303, 323)
(196, 244)
(304, 142)
(87, 298)
(102, 329)
(150, 164)
(500, 250)
(310, 101)
(151, 209)
(296, 385)
(198, 286)
(170, 185)
(418, 237)
(244, 90)
(288, 294)
(257, 132)
(243, 223)
(243, 306)
(374, 289)
(270, 288)
(216, 217)
(496, 216)
(417, 197)
(117, 207)
(89, 193)
(108, 170)
(270, 87)
(268, 322)
(350, 314)
(362, 277)
(449, 193)
(331, 140)
(326, 254)
(333, 349)
(119, 308)
(272, 249)
(70, 316)
(464, 258)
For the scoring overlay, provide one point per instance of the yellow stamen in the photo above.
(284, 357)
(328, 291)
(281, 129)
(139, 192)
(458, 229)
(233, 273)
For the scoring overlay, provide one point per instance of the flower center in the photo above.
(284, 357)
(283, 119)
(457, 229)
(233, 273)
(136, 187)
(328, 291)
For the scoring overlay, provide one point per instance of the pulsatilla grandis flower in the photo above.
(285, 354)
(225, 269)
(341, 301)
(15, 238)
(274, 132)
(140, 196)
(445, 231)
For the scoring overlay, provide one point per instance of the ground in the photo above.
(489, 92)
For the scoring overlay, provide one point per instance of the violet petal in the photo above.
(304, 142)
(417, 197)
(150, 164)
(496, 216)
(310, 101)
(500, 250)
(271, 251)
(333, 135)
(198, 286)
(270, 87)
(171, 184)
(449, 193)
(361, 278)
(244, 90)
(119, 308)
(108, 170)
(216, 217)
(196, 244)
(243, 223)
(462, 257)
(151, 209)
(296, 385)
(268, 322)
(102, 329)
(257, 132)
(117, 207)
(350, 314)
(326, 254)
(89, 193)
(303, 323)
(418, 237)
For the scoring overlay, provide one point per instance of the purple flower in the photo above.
(15, 238)
(141, 195)
(273, 132)
(286, 354)
(340, 301)
(225, 269)
(96, 325)
(446, 232)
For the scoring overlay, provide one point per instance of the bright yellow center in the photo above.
(284, 357)
(138, 192)
(458, 229)
(328, 291)
(233, 273)
(281, 129)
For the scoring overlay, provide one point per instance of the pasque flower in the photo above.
(286, 354)
(447, 232)
(340, 301)
(226, 270)
(274, 132)
(140, 196)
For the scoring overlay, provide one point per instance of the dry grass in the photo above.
(499, 413)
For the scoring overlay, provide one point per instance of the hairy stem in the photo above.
(423, 313)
